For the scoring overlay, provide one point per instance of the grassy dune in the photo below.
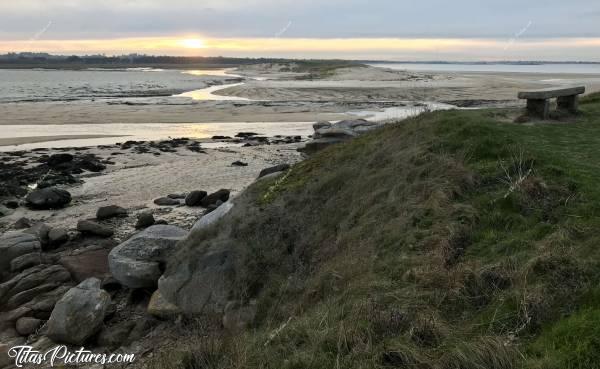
(452, 240)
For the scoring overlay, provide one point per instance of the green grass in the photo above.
(418, 246)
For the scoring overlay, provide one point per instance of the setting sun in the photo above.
(193, 43)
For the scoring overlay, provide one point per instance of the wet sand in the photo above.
(293, 97)
(135, 179)
(13, 141)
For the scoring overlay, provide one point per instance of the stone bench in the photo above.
(538, 104)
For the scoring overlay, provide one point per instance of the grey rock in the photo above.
(27, 326)
(166, 201)
(79, 314)
(57, 236)
(212, 199)
(316, 145)
(25, 261)
(15, 244)
(137, 262)
(144, 220)
(275, 169)
(48, 198)
(321, 124)
(30, 283)
(57, 159)
(4, 211)
(115, 336)
(212, 217)
(90, 227)
(200, 285)
(15, 314)
(41, 231)
(22, 223)
(161, 308)
(111, 211)
(177, 196)
(195, 198)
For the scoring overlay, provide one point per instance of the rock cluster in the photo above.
(327, 134)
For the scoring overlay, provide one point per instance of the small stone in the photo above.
(144, 220)
(195, 198)
(12, 204)
(161, 308)
(212, 199)
(89, 227)
(111, 211)
(27, 326)
(239, 164)
(57, 236)
(177, 196)
(275, 169)
(165, 201)
(22, 223)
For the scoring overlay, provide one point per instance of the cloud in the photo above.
(313, 19)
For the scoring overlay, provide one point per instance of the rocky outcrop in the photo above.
(15, 244)
(139, 261)
(48, 198)
(33, 287)
(327, 134)
(79, 314)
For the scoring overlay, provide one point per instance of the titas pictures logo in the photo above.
(61, 355)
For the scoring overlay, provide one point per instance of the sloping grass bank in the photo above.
(452, 240)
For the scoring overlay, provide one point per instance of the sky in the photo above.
(465, 30)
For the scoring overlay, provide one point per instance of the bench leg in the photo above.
(538, 108)
(568, 103)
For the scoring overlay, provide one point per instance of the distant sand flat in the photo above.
(10, 141)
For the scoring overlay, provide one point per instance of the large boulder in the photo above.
(200, 284)
(212, 217)
(139, 261)
(15, 244)
(48, 198)
(79, 314)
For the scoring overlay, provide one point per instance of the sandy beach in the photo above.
(276, 96)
